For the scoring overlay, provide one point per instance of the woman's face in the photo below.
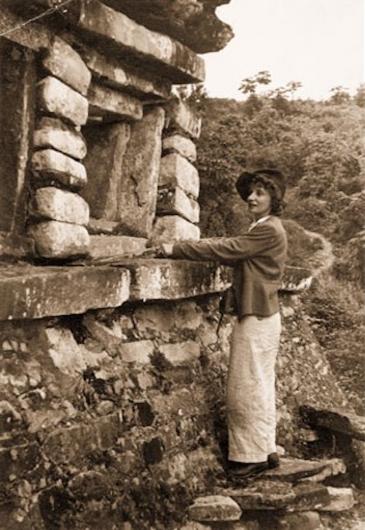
(259, 201)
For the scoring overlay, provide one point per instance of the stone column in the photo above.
(178, 189)
(58, 214)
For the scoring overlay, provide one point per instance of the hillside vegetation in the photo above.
(321, 148)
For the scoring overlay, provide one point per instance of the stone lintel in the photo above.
(115, 74)
(154, 279)
(106, 102)
(120, 34)
(36, 292)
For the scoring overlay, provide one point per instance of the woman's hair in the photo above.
(277, 203)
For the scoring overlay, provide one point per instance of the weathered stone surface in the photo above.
(333, 467)
(106, 149)
(177, 171)
(140, 174)
(292, 469)
(16, 122)
(137, 352)
(34, 37)
(335, 420)
(215, 508)
(181, 145)
(192, 23)
(68, 444)
(108, 246)
(110, 104)
(303, 520)
(63, 62)
(117, 75)
(267, 495)
(102, 226)
(103, 24)
(36, 292)
(169, 279)
(59, 99)
(341, 499)
(63, 350)
(48, 164)
(174, 228)
(181, 117)
(54, 133)
(60, 205)
(175, 201)
(182, 352)
(262, 496)
(54, 239)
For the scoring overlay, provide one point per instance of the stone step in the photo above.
(336, 420)
(266, 495)
(295, 469)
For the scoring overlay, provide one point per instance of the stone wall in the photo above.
(106, 152)
(117, 415)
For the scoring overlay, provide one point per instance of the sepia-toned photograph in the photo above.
(182, 264)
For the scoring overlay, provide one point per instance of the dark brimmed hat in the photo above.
(274, 176)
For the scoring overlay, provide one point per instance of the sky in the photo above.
(320, 43)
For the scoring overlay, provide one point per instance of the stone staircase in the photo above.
(300, 494)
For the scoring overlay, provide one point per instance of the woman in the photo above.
(258, 257)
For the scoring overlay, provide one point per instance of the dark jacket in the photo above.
(258, 257)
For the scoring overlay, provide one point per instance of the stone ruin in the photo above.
(112, 370)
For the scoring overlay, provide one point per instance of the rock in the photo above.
(181, 117)
(59, 99)
(140, 174)
(303, 520)
(181, 353)
(174, 228)
(37, 292)
(63, 349)
(114, 74)
(54, 239)
(171, 280)
(109, 246)
(335, 420)
(89, 485)
(153, 451)
(49, 164)
(107, 145)
(214, 508)
(341, 499)
(333, 467)
(102, 226)
(293, 469)
(60, 205)
(65, 63)
(113, 29)
(358, 471)
(262, 496)
(181, 145)
(309, 496)
(103, 334)
(53, 133)
(175, 201)
(193, 23)
(137, 352)
(176, 171)
(110, 104)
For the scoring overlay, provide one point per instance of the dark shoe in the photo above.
(240, 470)
(273, 460)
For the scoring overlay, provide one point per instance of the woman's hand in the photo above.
(162, 251)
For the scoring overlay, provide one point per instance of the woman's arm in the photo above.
(227, 249)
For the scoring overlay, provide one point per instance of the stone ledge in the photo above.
(34, 292)
(154, 279)
(29, 292)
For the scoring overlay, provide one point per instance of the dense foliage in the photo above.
(319, 145)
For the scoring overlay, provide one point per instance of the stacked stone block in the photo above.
(178, 190)
(59, 215)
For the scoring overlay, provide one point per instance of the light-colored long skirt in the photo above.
(251, 388)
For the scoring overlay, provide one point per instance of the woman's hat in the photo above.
(274, 176)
